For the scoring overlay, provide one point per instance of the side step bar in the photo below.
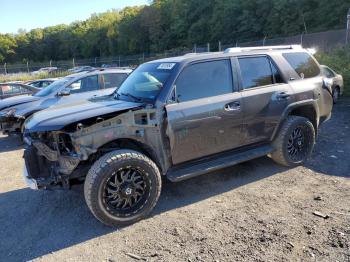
(190, 170)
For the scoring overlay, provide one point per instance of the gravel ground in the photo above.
(256, 211)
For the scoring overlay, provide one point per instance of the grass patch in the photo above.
(28, 77)
(339, 60)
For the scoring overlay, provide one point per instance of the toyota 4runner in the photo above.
(178, 118)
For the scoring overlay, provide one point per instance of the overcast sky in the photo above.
(29, 14)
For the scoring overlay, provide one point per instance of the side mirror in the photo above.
(64, 92)
(328, 84)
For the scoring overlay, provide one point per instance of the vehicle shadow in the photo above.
(10, 143)
(37, 223)
(332, 149)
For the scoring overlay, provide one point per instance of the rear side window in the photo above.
(114, 80)
(258, 71)
(9, 90)
(203, 80)
(303, 64)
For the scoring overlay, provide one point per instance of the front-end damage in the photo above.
(65, 156)
(10, 122)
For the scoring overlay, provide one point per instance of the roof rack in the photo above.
(258, 48)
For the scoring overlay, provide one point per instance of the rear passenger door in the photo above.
(265, 96)
(204, 117)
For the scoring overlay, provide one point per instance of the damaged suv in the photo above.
(179, 118)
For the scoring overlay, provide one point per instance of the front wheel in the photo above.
(294, 142)
(122, 187)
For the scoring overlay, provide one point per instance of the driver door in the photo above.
(84, 88)
(206, 117)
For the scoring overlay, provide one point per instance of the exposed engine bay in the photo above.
(60, 157)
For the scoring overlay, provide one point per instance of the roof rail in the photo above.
(257, 48)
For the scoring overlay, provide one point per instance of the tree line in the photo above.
(169, 24)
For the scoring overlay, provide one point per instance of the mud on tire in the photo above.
(122, 187)
(294, 142)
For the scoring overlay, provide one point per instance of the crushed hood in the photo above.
(56, 118)
(17, 100)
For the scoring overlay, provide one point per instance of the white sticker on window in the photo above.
(166, 66)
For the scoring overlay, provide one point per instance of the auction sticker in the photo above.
(166, 66)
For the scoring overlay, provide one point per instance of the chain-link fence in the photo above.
(323, 41)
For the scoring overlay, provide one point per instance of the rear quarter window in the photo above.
(303, 64)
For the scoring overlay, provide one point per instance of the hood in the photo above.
(16, 100)
(56, 118)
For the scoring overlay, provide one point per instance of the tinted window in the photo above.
(257, 71)
(146, 81)
(85, 84)
(53, 87)
(114, 80)
(36, 84)
(205, 79)
(45, 84)
(303, 64)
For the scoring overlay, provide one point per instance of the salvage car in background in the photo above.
(45, 70)
(337, 82)
(16, 89)
(41, 83)
(66, 90)
(79, 69)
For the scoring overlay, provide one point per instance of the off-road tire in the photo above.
(280, 144)
(104, 168)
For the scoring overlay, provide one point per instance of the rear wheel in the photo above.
(295, 141)
(122, 187)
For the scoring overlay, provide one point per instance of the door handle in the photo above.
(233, 106)
(283, 96)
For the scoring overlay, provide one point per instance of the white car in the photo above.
(337, 82)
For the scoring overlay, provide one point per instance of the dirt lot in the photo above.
(256, 211)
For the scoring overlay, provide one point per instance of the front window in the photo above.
(86, 84)
(114, 80)
(146, 82)
(205, 79)
(53, 87)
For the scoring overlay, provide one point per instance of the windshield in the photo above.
(145, 83)
(53, 87)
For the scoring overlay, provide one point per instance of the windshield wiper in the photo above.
(135, 98)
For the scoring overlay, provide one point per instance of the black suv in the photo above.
(179, 118)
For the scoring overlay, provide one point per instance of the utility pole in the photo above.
(347, 27)
(302, 14)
